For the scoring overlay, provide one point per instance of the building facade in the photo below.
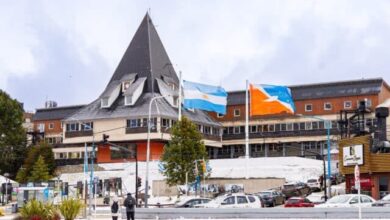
(145, 73)
(302, 134)
(144, 81)
(48, 127)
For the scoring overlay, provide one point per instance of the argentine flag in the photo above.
(204, 97)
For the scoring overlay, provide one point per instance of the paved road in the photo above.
(265, 213)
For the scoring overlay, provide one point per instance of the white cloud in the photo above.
(219, 42)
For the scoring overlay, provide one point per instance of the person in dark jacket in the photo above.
(115, 209)
(129, 204)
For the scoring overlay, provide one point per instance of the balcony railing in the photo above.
(280, 134)
(211, 137)
(138, 130)
(71, 134)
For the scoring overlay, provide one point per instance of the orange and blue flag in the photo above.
(270, 99)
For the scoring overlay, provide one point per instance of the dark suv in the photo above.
(296, 189)
(271, 198)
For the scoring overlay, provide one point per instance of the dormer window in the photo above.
(105, 103)
(128, 100)
(125, 85)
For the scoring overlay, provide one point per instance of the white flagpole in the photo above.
(246, 131)
(180, 91)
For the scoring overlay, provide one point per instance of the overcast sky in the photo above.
(67, 50)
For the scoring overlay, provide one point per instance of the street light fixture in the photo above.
(327, 125)
(148, 148)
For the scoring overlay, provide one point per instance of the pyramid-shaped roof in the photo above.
(147, 57)
(147, 65)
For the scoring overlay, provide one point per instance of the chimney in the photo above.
(381, 113)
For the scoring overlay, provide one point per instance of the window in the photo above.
(327, 106)
(87, 126)
(368, 103)
(308, 125)
(165, 123)
(277, 127)
(241, 200)
(314, 125)
(302, 126)
(132, 123)
(128, 100)
(207, 130)
(125, 85)
(236, 130)
(200, 128)
(347, 104)
(271, 128)
(253, 129)
(229, 200)
(236, 112)
(231, 130)
(265, 128)
(72, 127)
(219, 115)
(283, 127)
(41, 127)
(308, 107)
(51, 125)
(289, 126)
(104, 102)
(251, 199)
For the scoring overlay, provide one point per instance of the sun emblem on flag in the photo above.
(205, 96)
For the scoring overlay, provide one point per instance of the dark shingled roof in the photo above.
(323, 90)
(147, 57)
(57, 113)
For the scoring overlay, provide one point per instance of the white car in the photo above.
(233, 201)
(348, 200)
(314, 184)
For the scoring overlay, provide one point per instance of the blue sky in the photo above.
(67, 50)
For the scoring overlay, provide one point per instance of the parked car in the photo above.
(298, 202)
(271, 198)
(296, 189)
(384, 202)
(336, 178)
(233, 201)
(316, 198)
(348, 200)
(190, 202)
(314, 184)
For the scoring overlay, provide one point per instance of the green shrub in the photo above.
(39, 211)
(70, 208)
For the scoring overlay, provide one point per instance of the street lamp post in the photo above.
(148, 149)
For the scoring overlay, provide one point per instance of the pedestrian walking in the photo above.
(129, 204)
(115, 208)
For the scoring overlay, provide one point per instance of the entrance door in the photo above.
(383, 186)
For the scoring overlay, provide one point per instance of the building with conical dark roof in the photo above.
(121, 111)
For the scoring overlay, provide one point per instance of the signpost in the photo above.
(357, 186)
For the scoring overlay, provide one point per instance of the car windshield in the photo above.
(386, 198)
(339, 199)
(312, 181)
(265, 193)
